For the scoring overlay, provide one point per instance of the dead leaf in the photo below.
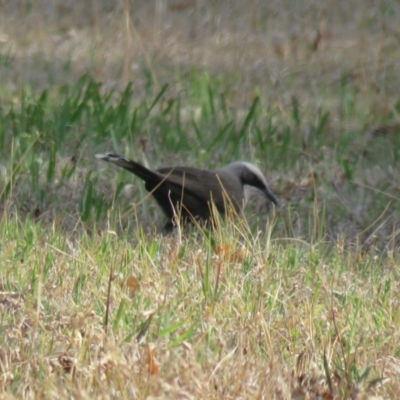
(151, 361)
(132, 284)
(226, 252)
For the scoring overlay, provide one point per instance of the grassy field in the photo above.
(296, 302)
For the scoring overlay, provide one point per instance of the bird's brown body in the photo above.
(189, 192)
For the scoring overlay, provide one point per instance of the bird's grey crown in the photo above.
(239, 167)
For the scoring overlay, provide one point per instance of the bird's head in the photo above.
(251, 177)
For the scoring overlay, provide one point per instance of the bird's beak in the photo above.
(270, 195)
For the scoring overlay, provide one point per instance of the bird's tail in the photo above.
(131, 166)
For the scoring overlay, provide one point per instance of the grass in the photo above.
(229, 318)
(288, 303)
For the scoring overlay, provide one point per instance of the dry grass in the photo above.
(245, 318)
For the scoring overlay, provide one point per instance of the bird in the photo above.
(191, 192)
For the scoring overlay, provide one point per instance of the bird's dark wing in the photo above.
(167, 192)
(205, 185)
(172, 199)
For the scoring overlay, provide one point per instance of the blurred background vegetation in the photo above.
(308, 91)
